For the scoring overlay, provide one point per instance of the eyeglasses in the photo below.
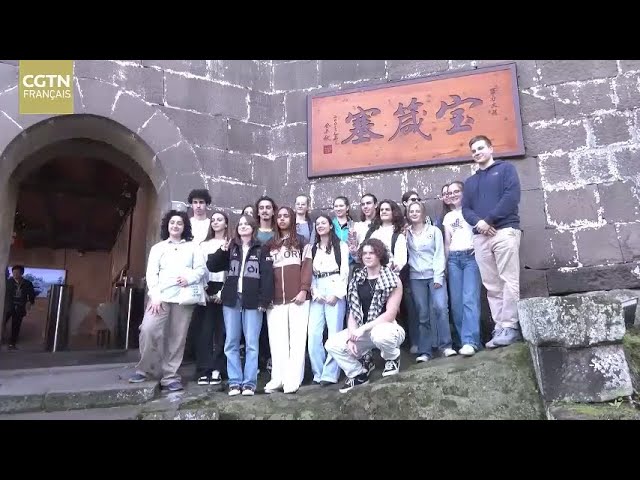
(415, 199)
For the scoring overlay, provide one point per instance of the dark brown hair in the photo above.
(397, 217)
(211, 234)
(379, 249)
(477, 138)
(278, 239)
(254, 225)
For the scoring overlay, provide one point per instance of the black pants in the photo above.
(264, 348)
(209, 336)
(16, 314)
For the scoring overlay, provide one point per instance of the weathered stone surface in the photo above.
(572, 321)
(8, 131)
(564, 250)
(270, 172)
(399, 69)
(594, 278)
(98, 97)
(573, 99)
(248, 137)
(598, 246)
(617, 295)
(429, 181)
(234, 195)
(620, 201)
(557, 170)
(595, 411)
(324, 192)
(199, 129)
(593, 374)
(628, 163)
(252, 74)
(338, 71)
(540, 106)
(297, 169)
(528, 173)
(8, 76)
(132, 112)
(610, 129)
(573, 206)
(296, 75)
(629, 238)
(558, 71)
(296, 106)
(629, 65)
(21, 403)
(631, 343)
(196, 67)
(531, 209)
(289, 139)
(388, 186)
(146, 82)
(206, 97)
(160, 133)
(628, 91)
(593, 167)
(107, 396)
(535, 249)
(553, 137)
(266, 109)
(533, 283)
(179, 159)
(218, 162)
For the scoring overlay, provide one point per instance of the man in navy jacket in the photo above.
(490, 205)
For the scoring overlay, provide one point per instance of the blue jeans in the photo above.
(464, 290)
(324, 367)
(238, 321)
(433, 315)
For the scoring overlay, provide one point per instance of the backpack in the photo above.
(394, 239)
(336, 253)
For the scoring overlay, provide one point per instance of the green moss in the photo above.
(595, 411)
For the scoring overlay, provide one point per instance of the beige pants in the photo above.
(287, 326)
(498, 259)
(162, 341)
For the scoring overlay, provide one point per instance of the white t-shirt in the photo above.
(245, 250)
(458, 230)
(209, 247)
(200, 229)
(385, 235)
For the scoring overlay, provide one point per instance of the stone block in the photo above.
(297, 169)
(572, 321)
(179, 159)
(609, 129)
(629, 238)
(582, 99)
(400, 69)
(182, 183)
(247, 137)
(620, 201)
(556, 170)
(533, 283)
(571, 207)
(624, 296)
(339, 71)
(98, 97)
(428, 182)
(531, 210)
(593, 167)
(131, 112)
(553, 137)
(207, 97)
(594, 374)
(232, 195)
(252, 74)
(627, 163)
(560, 71)
(216, 162)
(528, 173)
(533, 108)
(195, 67)
(385, 186)
(8, 131)
(97, 397)
(199, 129)
(16, 403)
(160, 133)
(535, 249)
(586, 279)
(324, 192)
(295, 104)
(271, 173)
(598, 246)
(628, 91)
(526, 72)
(289, 139)
(629, 65)
(564, 251)
(266, 109)
(146, 82)
(8, 76)
(296, 75)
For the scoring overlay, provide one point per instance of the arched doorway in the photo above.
(130, 137)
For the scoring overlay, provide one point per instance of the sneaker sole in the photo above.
(389, 374)
(342, 390)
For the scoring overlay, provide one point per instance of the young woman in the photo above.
(210, 359)
(248, 210)
(288, 317)
(426, 272)
(343, 225)
(387, 226)
(446, 206)
(174, 263)
(330, 258)
(246, 294)
(304, 225)
(464, 275)
(374, 297)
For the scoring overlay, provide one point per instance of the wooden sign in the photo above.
(428, 121)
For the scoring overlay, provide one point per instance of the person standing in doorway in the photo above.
(490, 205)
(199, 200)
(304, 225)
(174, 263)
(20, 297)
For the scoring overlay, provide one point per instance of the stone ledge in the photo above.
(107, 396)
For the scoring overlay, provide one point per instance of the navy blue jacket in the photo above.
(493, 195)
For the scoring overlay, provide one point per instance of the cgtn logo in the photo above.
(46, 86)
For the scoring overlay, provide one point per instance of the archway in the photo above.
(113, 125)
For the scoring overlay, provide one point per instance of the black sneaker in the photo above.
(349, 383)
(216, 378)
(203, 380)
(392, 367)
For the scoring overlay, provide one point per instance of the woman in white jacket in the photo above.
(174, 264)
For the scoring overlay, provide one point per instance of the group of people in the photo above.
(283, 285)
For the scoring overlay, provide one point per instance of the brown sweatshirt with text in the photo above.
(291, 273)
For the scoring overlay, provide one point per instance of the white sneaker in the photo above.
(467, 350)
(449, 352)
(422, 358)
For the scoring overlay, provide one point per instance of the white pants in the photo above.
(287, 326)
(385, 336)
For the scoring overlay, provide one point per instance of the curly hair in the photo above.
(256, 213)
(291, 241)
(164, 225)
(397, 217)
(379, 250)
(334, 241)
(200, 193)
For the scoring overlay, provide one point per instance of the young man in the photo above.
(374, 299)
(199, 200)
(490, 205)
(265, 213)
(19, 298)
